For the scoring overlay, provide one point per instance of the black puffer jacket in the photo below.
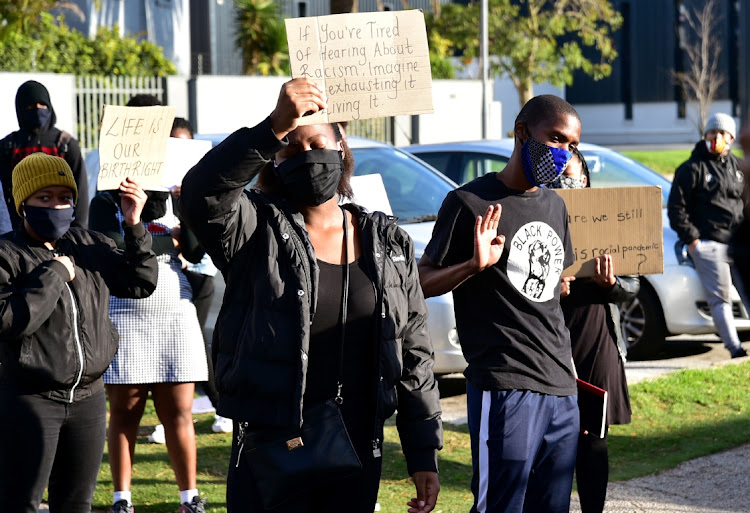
(705, 201)
(56, 337)
(262, 334)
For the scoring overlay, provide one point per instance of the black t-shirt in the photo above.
(508, 317)
(325, 338)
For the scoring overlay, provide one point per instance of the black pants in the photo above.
(592, 472)
(44, 442)
(356, 494)
(203, 291)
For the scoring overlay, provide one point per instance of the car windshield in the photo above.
(612, 169)
(415, 191)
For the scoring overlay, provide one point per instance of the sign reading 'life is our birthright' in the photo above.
(368, 64)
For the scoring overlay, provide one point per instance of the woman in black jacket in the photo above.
(592, 316)
(56, 339)
(282, 250)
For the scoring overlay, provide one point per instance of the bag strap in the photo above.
(344, 306)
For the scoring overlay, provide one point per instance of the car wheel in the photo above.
(642, 323)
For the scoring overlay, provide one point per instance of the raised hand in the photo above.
(132, 199)
(488, 245)
(605, 271)
(298, 97)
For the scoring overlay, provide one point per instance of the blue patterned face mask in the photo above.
(567, 182)
(542, 163)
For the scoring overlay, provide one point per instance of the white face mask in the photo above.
(568, 182)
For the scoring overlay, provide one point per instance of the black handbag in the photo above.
(288, 462)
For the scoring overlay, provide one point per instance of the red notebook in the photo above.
(592, 404)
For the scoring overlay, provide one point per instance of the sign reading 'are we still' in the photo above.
(133, 143)
(369, 65)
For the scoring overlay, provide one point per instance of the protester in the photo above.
(593, 319)
(37, 133)
(740, 242)
(201, 279)
(705, 206)
(161, 351)
(56, 338)
(523, 415)
(283, 248)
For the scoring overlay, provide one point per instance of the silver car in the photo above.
(671, 303)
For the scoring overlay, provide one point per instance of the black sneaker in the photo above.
(122, 507)
(197, 505)
(739, 353)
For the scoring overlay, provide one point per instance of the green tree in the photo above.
(53, 47)
(24, 16)
(261, 36)
(535, 41)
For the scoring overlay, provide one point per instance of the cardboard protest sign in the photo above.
(625, 222)
(370, 65)
(181, 155)
(133, 142)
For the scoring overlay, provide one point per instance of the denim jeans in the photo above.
(713, 265)
(45, 443)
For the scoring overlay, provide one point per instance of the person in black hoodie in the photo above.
(285, 250)
(705, 207)
(37, 133)
(56, 339)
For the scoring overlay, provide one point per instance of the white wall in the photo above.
(61, 92)
(652, 123)
(457, 113)
(226, 103)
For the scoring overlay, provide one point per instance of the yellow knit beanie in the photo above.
(40, 170)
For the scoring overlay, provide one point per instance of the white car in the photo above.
(671, 303)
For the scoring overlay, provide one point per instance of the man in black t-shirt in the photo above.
(504, 272)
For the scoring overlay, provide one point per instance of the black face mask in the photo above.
(49, 223)
(312, 177)
(155, 207)
(35, 119)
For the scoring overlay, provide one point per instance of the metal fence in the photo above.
(380, 129)
(94, 92)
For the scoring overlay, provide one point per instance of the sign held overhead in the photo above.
(368, 64)
(133, 142)
(625, 222)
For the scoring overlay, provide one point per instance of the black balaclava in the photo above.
(31, 93)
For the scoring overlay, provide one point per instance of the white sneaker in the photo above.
(157, 437)
(222, 425)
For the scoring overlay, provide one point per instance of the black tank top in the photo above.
(325, 337)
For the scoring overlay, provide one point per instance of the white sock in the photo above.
(187, 495)
(123, 496)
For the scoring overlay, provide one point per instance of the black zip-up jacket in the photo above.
(261, 338)
(705, 201)
(56, 338)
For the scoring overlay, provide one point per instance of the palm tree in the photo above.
(261, 37)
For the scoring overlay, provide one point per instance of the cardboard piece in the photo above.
(370, 65)
(133, 142)
(181, 155)
(369, 192)
(625, 222)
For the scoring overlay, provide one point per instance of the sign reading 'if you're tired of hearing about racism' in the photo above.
(625, 222)
(369, 65)
(133, 142)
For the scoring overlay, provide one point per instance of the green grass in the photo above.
(678, 417)
(664, 161)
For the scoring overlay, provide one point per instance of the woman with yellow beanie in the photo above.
(56, 339)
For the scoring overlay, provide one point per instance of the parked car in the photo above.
(415, 192)
(671, 303)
